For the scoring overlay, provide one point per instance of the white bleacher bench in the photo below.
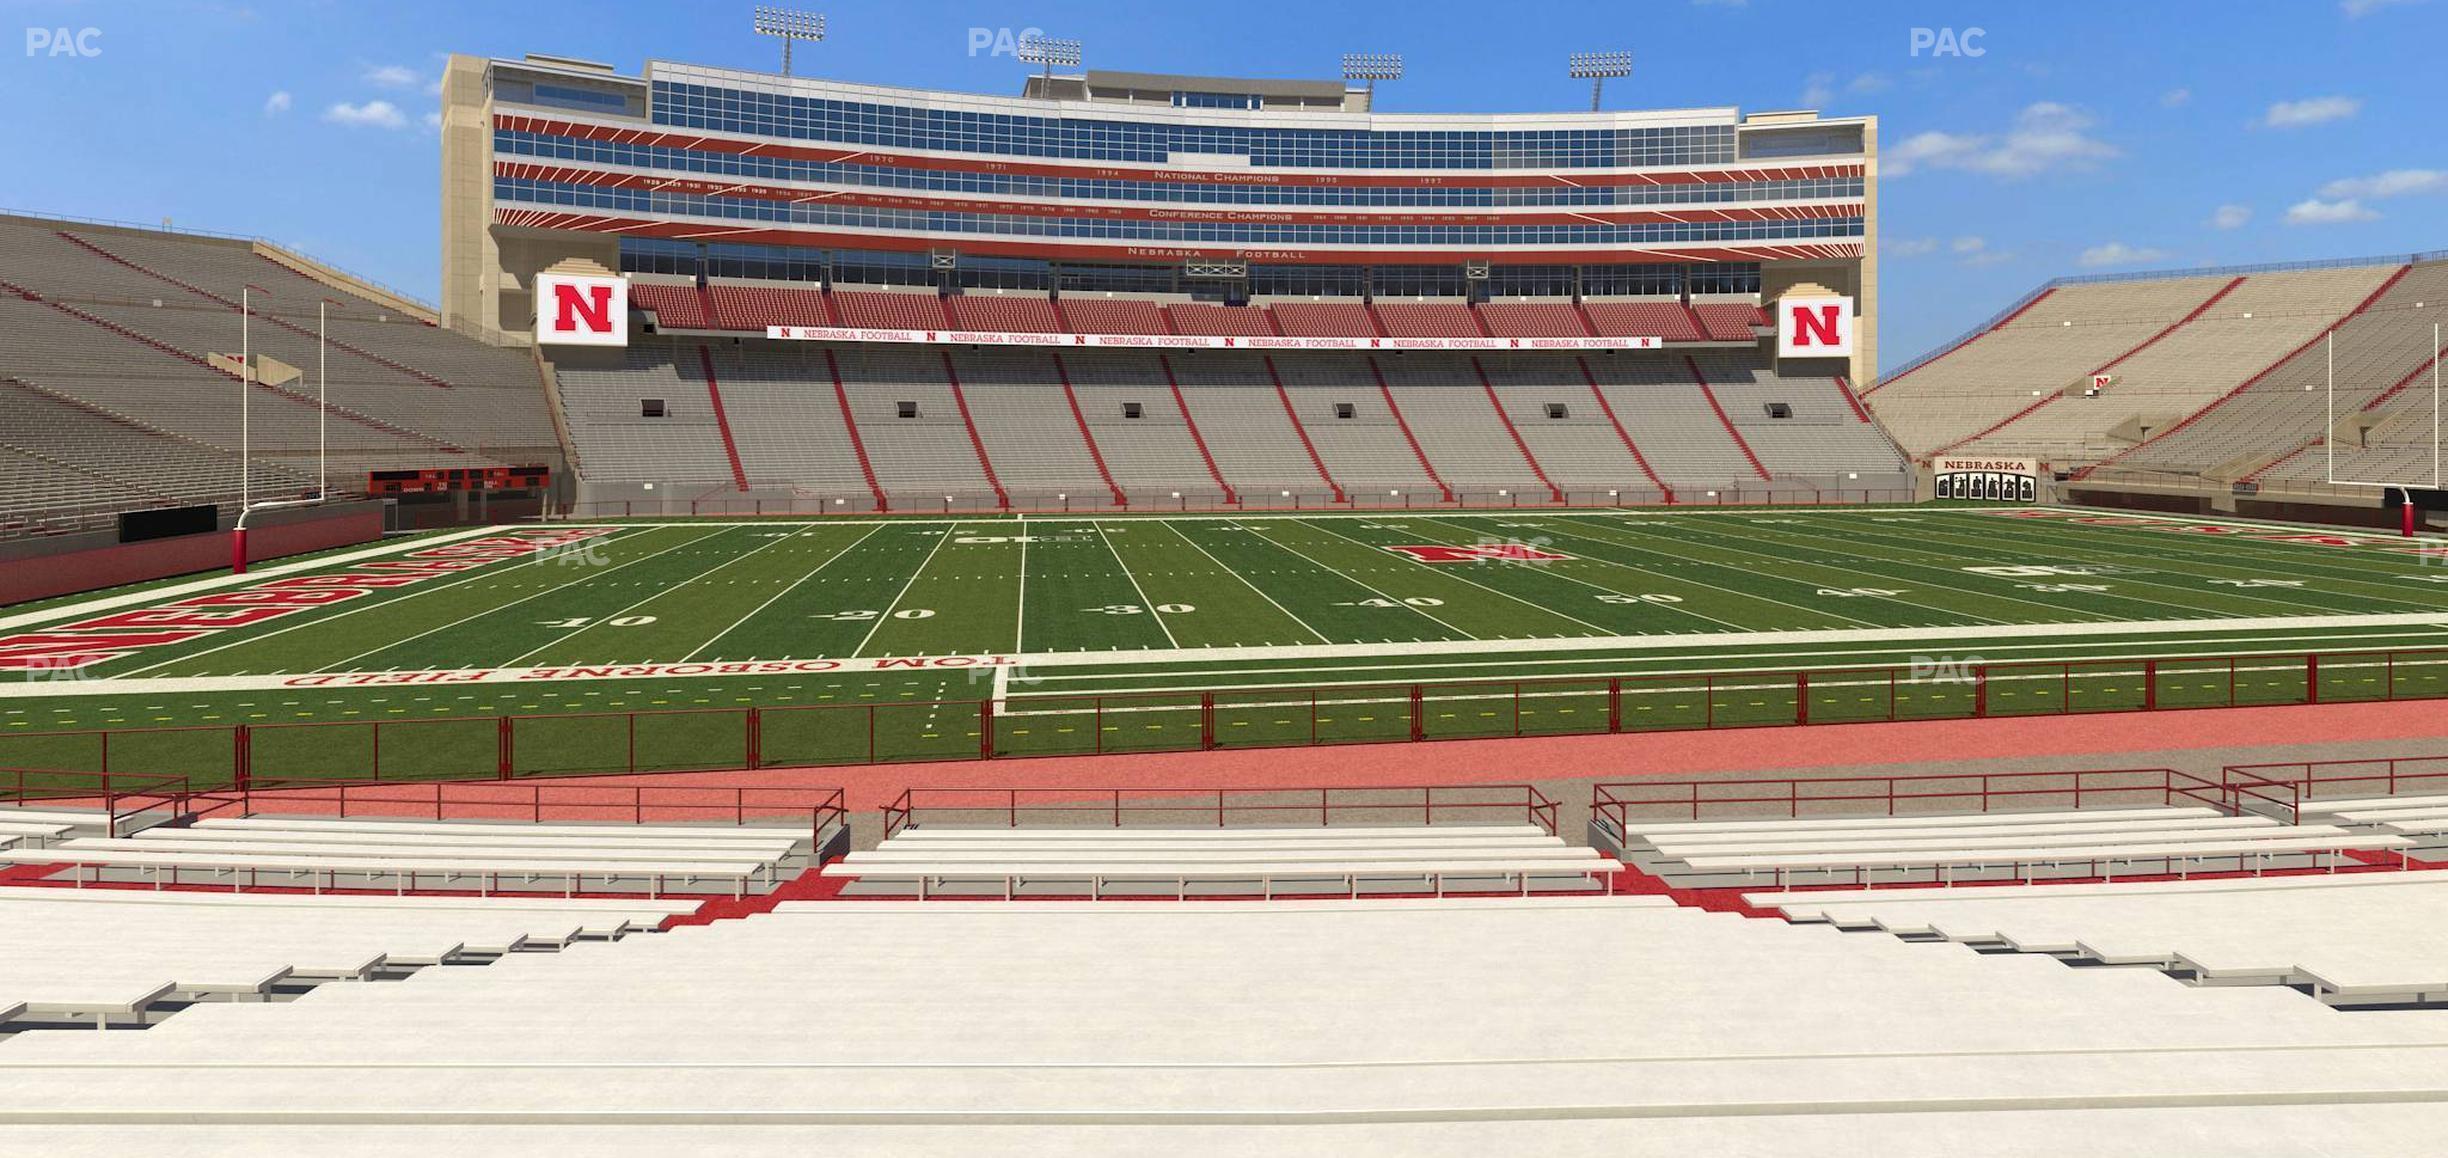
(1132, 859)
(626, 832)
(388, 844)
(1952, 820)
(2372, 804)
(503, 849)
(2166, 836)
(1012, 874)
(322, 868)
(33, 834)
(2102, 858)
(2053, 829)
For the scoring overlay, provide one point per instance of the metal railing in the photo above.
(1614, 805)
(1121, 807)
(521, 747)
(727, 503)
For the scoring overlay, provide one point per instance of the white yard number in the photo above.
(865, 616)
(1658, 598)
(1413, 601)
(1135, 609)
(2259, 582)
(583, 621)
(1857, 592)
(2065, 588)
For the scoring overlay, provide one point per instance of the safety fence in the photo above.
(1615, 807)
(730, 503)
(506, 747)
(2281, 790)
(1226, 807)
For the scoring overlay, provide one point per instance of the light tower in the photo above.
(789, 26)
(1596, 67)
(1049, 51)
(1372, 67)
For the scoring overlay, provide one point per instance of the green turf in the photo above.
(1646, 600)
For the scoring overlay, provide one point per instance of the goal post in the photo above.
(2391, 439)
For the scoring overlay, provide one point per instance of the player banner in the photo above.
(1996, 480)
(1196, 341)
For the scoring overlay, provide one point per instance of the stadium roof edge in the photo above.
(816, 86)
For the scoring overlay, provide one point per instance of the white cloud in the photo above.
(2175, 98)
(433, 122)
(1720, 3)
(2118, 253)
(372, 114)
(2394, 183)
(1819, 88)
(391, 76)
(2046, 137)
(2230, 216)
(276, 104)
(1968, 244)
(2311, 111)
(1909, 247)
(2357, 9)
(2313, 211)
(1987, 258)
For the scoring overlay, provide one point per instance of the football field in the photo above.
(1128, 632)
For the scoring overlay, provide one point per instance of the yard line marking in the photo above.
(1899, 602)
(793, 586)
(2330, 565)
(1458, 574)
(574, 632)
(432, 587)
(1244, 580)
(1020, 600)
(1560, 573)
(906, 584)
(1422, 612)
(1134, 582)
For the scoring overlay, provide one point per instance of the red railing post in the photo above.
(242, 756)
(1801, 697)
(2150, 686)
(1207, 731)
(632, 721)
(986, 727)
(1419, 714)
(755, 724)
(1980, 691)
(1614, 704)
(2312, 678)
(502, 756)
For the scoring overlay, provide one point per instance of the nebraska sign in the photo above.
(1814, 327)
(581, 311)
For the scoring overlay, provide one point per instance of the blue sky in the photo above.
(2086, 137)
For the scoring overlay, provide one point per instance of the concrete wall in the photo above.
(49, 567)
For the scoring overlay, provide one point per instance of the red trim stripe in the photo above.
(1967, 340)
(1404, 425)
(1519, 443)
(858, 446)
(1080, 416)
(722, 421)
(1285, 397)
(1196, 439)
(1711, 395)
(1608, 409)
(960, 402)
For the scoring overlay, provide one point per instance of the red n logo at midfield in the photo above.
(1488, 553)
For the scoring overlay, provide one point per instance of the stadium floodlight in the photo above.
(790, 26)
(1596, 67)
(1049, 51)
(1372, 67)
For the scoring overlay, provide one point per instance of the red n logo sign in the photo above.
(1814, 325)
(573, 310)
(593, 303)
